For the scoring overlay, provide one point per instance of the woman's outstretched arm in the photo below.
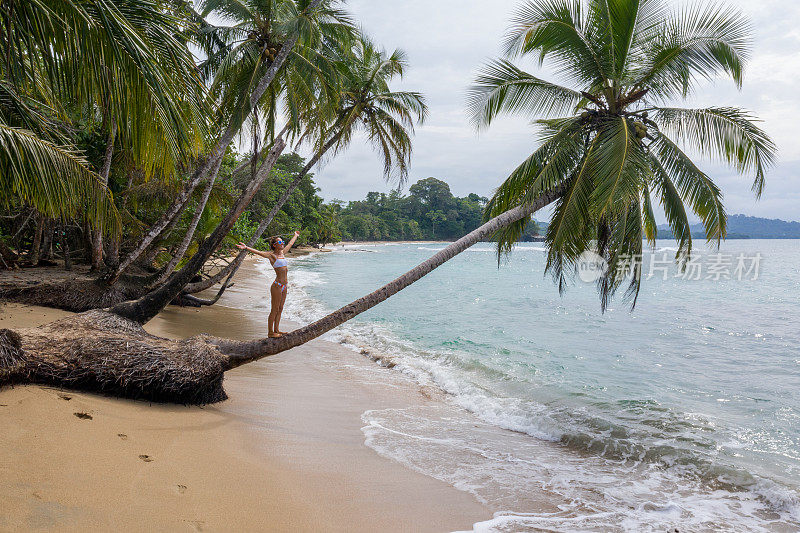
(243, 246)
(288, 246)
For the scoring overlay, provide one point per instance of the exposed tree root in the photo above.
(187, 300)
(77, 292)
(98, 351)
(77, 295)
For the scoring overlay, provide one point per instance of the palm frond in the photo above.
(672, 204)
(722, 133)
(557, 156)
(619, 164)
(554, 29)
(570, 229)
(701, 40)
(695, 187)
(501, 87)
(54, 180)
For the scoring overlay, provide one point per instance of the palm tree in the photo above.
(118, 64)
(253, 55)
(238, 54)
(613, 140)
(365, 104)
(598, 166)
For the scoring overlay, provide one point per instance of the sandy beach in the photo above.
(284, 453)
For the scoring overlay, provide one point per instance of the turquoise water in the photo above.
(684, 412)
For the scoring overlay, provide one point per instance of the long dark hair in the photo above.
(272, 242)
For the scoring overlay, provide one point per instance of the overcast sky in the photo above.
(447, 40)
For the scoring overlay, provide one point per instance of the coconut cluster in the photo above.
(265, 41)
(640, 126)
(640, 129)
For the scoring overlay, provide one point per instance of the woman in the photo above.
(278, 290)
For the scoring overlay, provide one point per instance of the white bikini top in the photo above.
(280, 262)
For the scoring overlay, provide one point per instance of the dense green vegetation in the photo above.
(304, 210)
(117, 139)
(428, 212)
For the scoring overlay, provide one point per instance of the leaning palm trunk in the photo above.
(212, 162)
(187, 238)
(184, 299)
(240, 353)
(139, 294)
(236, 263)
(224, 272)
(149, 256)
(37, 241)
(105, 171)
(110, 352)
(145, 308)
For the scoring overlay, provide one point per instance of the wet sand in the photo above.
(284, 453)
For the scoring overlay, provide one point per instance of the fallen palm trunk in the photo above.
(224, 272)
(188, 300)
(100, 352)
(75, 295)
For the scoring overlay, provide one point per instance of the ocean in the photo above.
(683, 413)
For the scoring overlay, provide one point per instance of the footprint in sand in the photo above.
(123, 436)
(65, 397)
(83, 416)
(181, 489)
(197, 524)
(146, 458)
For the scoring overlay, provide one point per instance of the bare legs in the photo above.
(278, 296)
(280, 310)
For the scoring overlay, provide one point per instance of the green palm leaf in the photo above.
(701, 40)
(54, 180)
(694, 185)
(503, 88)
(570, 229)
(722, 133)
(672, 203)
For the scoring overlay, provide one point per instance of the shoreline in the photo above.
(376, 243)
(285, 452)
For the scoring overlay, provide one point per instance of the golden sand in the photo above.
(284, 453)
